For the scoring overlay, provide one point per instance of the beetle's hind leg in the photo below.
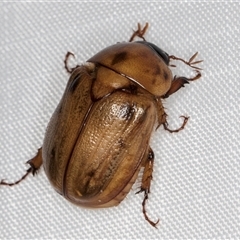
(146, 183)
(35, 163)
(139, 32)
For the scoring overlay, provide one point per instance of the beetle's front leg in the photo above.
(35, 163)
(146, 183)
(66, 60)
(179, 82)
(139, 32)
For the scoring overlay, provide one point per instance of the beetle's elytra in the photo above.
(98, 137)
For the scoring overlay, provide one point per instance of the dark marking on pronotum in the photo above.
(120, 57)
(153, 81)
(165, 75)
(157, 70)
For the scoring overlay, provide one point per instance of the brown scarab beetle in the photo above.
(98, 137)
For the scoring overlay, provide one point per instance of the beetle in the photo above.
(98, 137)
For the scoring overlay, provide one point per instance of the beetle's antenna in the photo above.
(189, 62)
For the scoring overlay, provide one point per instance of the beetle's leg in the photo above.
(68, 55)
(165, 125)
(179, 82)
(162, 118)
(189, 62)
(139, 32)
(146, 183)
(35, 163)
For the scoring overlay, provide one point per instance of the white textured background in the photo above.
(195, 191)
